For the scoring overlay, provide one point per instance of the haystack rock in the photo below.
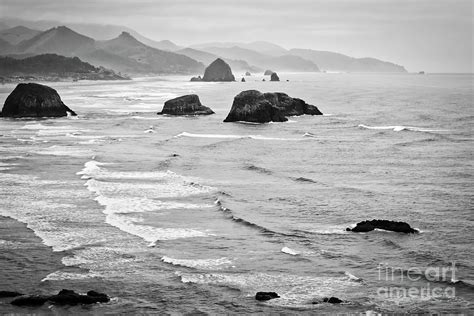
(218, 70)
(257, 107)
(274, 77)
(268, 72)
(34, 100)
(243, 79)
(185, 105)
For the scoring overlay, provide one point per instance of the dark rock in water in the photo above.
(367, 226)
(33, 300)
(243, 79)
(198, 78)
(9, 294)
(185, 105)
(251, 106)
(263, 79)
(34, 100)
(254, 106)
(332, 300)
(64, 297)
(274, 77)
(268, 72)
(248, 73)
(218, 70)
(266, 296)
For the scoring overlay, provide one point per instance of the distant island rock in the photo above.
(367, 226)
(268, 72)
(257, 107)
(52, 67)
(274, 77)
(248, 73)
(185, 105)
(218, 70)
(34, 100)
(198, 78)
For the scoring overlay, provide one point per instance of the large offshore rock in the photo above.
(185, 105)
(34, 100)
(254, 106)
(367, 226)
(274, 77)
(218, 70)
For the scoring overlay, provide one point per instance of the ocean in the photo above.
(192, 215)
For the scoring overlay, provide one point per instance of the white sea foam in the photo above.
(294, 290)
(57, 150)
(289, 251)
(206, 264)
(352, 277)
(61, 275)
(224, 136)
(399, 128)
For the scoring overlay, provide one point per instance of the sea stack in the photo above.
(185, 105)
(34, 100)
(257, 107)
(274, 77)
(268, 72)
(218, 70)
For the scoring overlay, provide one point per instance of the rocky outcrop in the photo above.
(34, 100)
(198, 78)
(9, 294)
(266, 296)
(367, 226)
(274, 77)
(185, 105)
(243, 79)
(252, 106)
(268, 72)
(330, 300)
(218, 70)
(247, 73)
(64, 297)
(257, 107)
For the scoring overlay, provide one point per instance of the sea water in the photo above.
(190, 214)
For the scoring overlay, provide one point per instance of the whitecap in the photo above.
(230, 136)
(399, 128)
(206, 264)
(289, 251)
(61, 275)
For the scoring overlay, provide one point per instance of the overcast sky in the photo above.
(430, 35)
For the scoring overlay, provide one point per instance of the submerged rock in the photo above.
(274, 77)
(268, 72)
(34, 100)
(367, 226)
(254, 106)
(64, 297)
(185, 105)
(332, 300)
(9, 294)
(218, 70)
(266, 296)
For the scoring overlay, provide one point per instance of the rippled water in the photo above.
(191, 214)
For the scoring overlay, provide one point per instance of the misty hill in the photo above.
(53, 66)
(124, 53)
(339, 62)
(155, 60)
(60, 40)
(5, 47)
(262, 47)
(278, 63)
(207, 58)
(18, 34)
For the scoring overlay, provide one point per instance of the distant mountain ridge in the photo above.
(147, 56)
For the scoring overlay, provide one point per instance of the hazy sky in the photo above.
(430, 35)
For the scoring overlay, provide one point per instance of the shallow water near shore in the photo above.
(190, 214)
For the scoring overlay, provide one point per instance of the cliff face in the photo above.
(218, 70)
